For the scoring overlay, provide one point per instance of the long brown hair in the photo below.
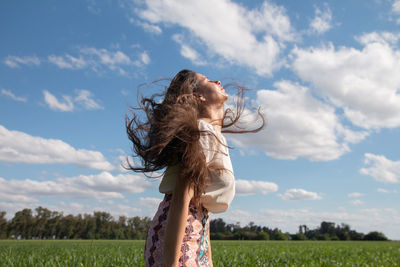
(169, 134)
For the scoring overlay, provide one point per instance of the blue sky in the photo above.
(325, 75)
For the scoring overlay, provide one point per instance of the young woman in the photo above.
(183, 134)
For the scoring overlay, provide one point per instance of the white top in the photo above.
(219, 194)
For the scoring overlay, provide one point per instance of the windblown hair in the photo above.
(169, 135)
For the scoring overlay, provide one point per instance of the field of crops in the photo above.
(225, 253)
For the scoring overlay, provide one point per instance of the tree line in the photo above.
(220, 230)
(47, 224)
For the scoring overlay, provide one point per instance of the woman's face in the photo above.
(211, 92)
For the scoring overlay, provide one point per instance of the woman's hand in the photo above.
(176, 223)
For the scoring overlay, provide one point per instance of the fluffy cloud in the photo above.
(378, 37)
(396, 8)
(12, 96)
(252, 38)
(68, 62)
(83, 98)
(250, 187)
(99, 186)
(385, 191)
(298, 125)
(99, 59)
(300, 194)
(146, 26)
(363, 83)
(15, 62)
(322, 20)
(17, 146)
(150, 202)
(55, 104)
(355, 194)
(357, 202)
(187, 51)
(381, 169)
(144, 58)
(149, 205)
(96, 59)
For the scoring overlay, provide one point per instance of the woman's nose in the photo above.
(218, 82)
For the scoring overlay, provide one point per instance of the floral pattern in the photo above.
(194, 243)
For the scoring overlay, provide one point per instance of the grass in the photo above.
(225, 253)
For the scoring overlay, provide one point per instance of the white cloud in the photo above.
(144, 57)
(187, 51)
(364, 83)
(100, 59)
(15, 62)
(322, 21)
(381, 190)
(15, 196)
(96, 59)
(82, 98)
(93, 7)
(17, 146)
(385, 191)
(149, 205)
(146, 26)
(252, 38)
(298, 125)
(98, 186)
(355, 194)
(378, 37)
(250, 187)
(381, 169)
(300, 194)
(12, 96)
(68, 62)
(357, 202)
(65, 105)
(115, 210)
(396, 8)
(106, 57)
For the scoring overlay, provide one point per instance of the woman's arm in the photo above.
(176, 223)
(209, 249)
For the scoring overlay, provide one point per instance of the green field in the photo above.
(225, 253)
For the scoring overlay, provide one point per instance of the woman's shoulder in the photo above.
(210, 133)
(204, 125)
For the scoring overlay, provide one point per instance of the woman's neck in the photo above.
(214, 117)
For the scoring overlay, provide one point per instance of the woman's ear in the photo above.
(199, 97)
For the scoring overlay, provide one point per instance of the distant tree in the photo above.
(327, 228)
(101, 225)
(299, 236)
(375, 236)
(334, 237)
(280, 236)
(139, 227)
(68, 228)
(324, 237)
(3, 225)
(262, 236)
(354, 235)
(22, 223)
(217, 226)
(343, 235)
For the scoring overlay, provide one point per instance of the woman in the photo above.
(183, 135)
